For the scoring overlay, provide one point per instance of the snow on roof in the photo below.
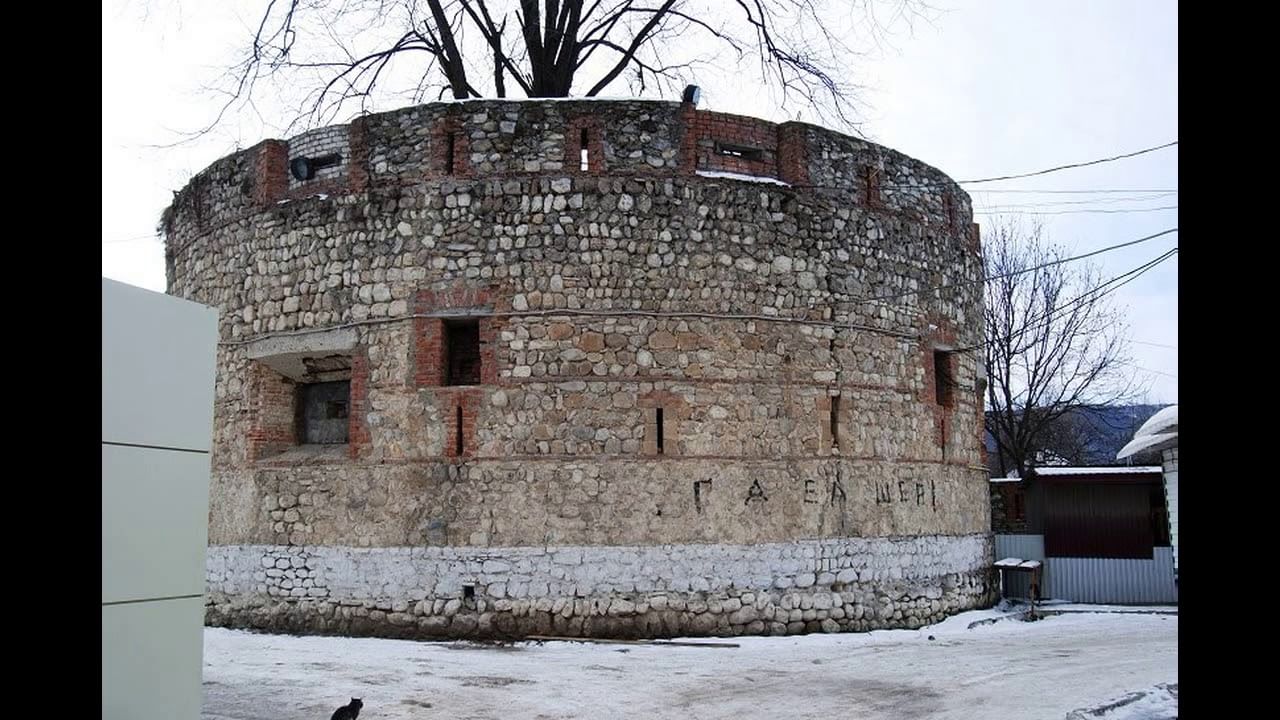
(1158, 432)
(1160, 422)
(1147, 442)
(1011, 478)
(1121, 470)
(740, 176)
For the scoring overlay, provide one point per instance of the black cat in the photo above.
(349, 711)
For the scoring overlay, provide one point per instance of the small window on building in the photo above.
(462, 352)
(744, 152)
(943, 377)
(322, 412)
(659, 437)
(1019, 505)
(584, 144)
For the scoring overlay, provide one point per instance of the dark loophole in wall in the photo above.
(450, 152)
(462, 352)
(468, 592)
(658, 422)
(585, 152)
(835, 421)
(745, 152)
(943, 377)
(322, 412)
(459, 441)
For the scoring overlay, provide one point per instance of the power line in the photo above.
(1144, 342)
(1092, 201)
(1068, 167)
(1157, 372)
(1078, 192)
(1118, 211)
(1131, 275)
(1023, 271)
(1044, 320)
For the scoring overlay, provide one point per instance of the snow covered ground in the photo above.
(1004, 669)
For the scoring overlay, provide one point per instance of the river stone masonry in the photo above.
(591, 368)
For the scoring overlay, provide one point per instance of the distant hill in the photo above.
(1093, 436)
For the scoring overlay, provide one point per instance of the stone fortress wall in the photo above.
(622, 368)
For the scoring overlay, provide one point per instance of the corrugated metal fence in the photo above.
(1092, 580)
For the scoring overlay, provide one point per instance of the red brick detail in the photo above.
(688, 139)
(793, 154)
(949, 210)
(271, 171)
(674, 410)
(573, 145)
(439, 164)
(938, 334)
(429, 336)
(489, 329)
(428, 352)
(980, 422)
(975, 238)
(468, 400)
(358, 166)
(709, 128)
(358, 439)
(272, 424)
(871, 177)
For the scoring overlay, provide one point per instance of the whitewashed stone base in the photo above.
(851, 584)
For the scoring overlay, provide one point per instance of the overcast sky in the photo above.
(988, 88)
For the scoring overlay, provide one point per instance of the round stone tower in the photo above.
(596, 368)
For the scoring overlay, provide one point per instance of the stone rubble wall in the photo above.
(662, 591)
(775, 324)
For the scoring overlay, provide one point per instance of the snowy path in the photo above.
(1007, 669)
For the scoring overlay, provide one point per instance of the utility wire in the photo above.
(1044, 320)
(1059, 261)
(1157, 372)
(1076, 192)
(1068, 167)
(1092, 201)
(997, 210)
(1144, 342)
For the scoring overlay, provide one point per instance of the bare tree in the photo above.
(342, 55)
(1054, 345)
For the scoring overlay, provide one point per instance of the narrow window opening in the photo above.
(584, 144)
(468, 592)
(322, 411)
(449, 152)
(462, 352)
(659, 424)
(744, 152)
(458, 439)
(835, 422)
(942, 377)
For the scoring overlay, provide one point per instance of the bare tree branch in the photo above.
(332, 55)
(1054, 344)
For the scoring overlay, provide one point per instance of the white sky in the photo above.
(989, 87)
